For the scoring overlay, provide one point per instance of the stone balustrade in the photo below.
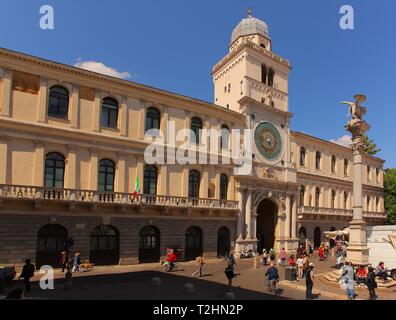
(14, 192)
(338, 212)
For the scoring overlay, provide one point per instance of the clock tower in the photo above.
(252, 80)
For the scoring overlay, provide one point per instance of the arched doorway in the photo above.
(317, 238)
(223, 242)
(51, 241)
(302, 237)
(194, 243)
(267, 216)
(332, 242)
(149, 245)
(104, 246)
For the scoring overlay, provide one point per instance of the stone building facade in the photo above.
(72, 146)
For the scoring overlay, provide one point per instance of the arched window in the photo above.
(377, 204)
(149, 245)
(264, 73)
(368, 173)
(224, 139)
(51, 241)
(346, 165)
(377, 175)
(194, 181)
(271, 75)
(54, 170)
(153, 118)
(106, 175)
(223, 242)
(302, 195)
(109, 113)
(58, 102)
(302, 156)
(333, 196)
(345, 200)
(104, 246)
(223, 186)
(333, 164)
(196, 127)
(194, 243)
(318, 159)
(317, 197)
(150, 180)
(368, 202)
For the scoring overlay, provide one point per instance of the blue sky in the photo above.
(174, 44)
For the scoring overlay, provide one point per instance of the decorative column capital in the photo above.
(71, 148)
(39, 143)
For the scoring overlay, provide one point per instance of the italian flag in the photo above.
(137, 188)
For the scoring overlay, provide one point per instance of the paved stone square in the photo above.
(134, 282)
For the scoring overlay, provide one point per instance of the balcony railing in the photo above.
(337, 212)
(95, 197)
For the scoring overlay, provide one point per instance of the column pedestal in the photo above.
(357, 251)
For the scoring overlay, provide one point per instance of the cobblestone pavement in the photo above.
(134, 282)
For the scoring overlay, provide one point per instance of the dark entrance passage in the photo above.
(149, 245)
(266, 224)
(302, 237)
(51, 241)
(194, 243)
(317, 238)
(104, 246)
(223, 242)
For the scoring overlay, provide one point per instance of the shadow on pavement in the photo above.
(138, 286)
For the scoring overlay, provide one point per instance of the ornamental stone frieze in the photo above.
(266, 172)
(25, 82)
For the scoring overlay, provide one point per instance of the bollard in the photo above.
(230, 295)
(156, 282)
(188, 288)
(255, 261)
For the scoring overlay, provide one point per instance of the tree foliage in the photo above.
(369, 146)
(390, 195)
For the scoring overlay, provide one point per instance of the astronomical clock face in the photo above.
(268, 141)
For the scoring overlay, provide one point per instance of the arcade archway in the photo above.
(267, 217)
(50, 243)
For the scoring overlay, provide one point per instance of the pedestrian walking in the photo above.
(76, 262)
(231, 262)
(200, 263)
(230, 274)
(300, 267)
(347, 280)
(309, 281)
(265, 257)
(27, 273)
(282, 257)
(305, 264)
(272, 256)
(64, 260)
(371, 283)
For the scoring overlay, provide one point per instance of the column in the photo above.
(217, 183)
(71, 167)
(231, 188)
(3, 160)
(164, 124)
(42, 100)
(294, 217)
(39, 164)
(140, 170)
(96, 111)
(205, 183)
(240, 217)
(306, 196)
(121, 172)
(93, 170)
(142, 120)
(288, 217)
(163, 185)
(124, 117)
(185, 172)
(6, 92)
(248, 214)
(74, 107)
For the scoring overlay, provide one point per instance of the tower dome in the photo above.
(250, 25)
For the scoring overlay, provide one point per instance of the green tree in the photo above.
(390, 195)
(369, 146)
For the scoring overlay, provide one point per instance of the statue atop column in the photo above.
(357, 126)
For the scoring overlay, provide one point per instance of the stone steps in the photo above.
(333, 276)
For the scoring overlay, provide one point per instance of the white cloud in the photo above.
(100, 67)
(345, 141)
